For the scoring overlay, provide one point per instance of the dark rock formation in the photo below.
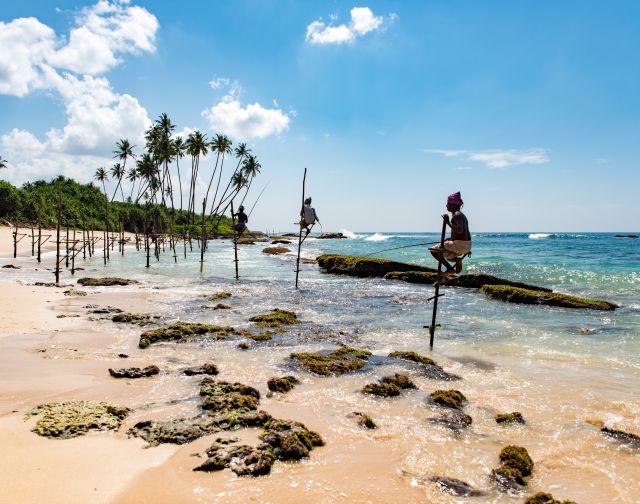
(516, 465)
(10, 266)
(276, 318)
(134, 372)
(623, 437)
(364, 420)
(364, 266)
(74, 292)
(281, 242)
(208, 369)
(448, 398)
(453, 419)
(472, 281)
(243, 460)
(132, 318)
(105, 282)
(331, 236)
(545, 498)
(510, 418)
(526, 296)
(290, 440)
(182, 331)
(220, 295)
(276, 250)
(455, 487)
(221, 306)
(103, 310)
(426, 366)
(282, 384)
(382, 389)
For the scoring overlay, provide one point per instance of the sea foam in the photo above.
(378, 237)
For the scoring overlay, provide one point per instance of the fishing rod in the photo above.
(258, 198)
(404, 246)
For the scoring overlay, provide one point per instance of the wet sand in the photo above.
(45, 359)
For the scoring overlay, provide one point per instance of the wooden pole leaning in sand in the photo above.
(235, 239)
(304, 178)
(203, 240)
(432, 327)
(58, 238)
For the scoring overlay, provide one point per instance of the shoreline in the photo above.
(355, 465)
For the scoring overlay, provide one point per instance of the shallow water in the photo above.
(535, 360)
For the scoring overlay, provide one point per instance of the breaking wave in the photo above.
(350, 234)
(378, 237)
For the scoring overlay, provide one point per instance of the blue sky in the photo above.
(531, 109)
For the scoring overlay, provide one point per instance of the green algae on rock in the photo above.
(510, 418)
(516, 465)
(412, 356)
(70, 419)
(276, 250)
(219, 295)
(181, 331)
(342, 360)
(290, 440)
(282, 384)
(134, 372)
(400, 380)
(471, 281)
(448, 398)
(364, 420)
(243, 460)
(132, 318)
(207, 368)
(545, 498)
(527, 296)
(275, 319)
(452, 419)
(221, 306)
(105, 281)
(427, 366)
(364, 266)
(382, 389)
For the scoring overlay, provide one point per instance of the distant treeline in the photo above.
(85, 205)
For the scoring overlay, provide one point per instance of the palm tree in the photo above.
(164, 154)
(196, 146)
(124, 150)
(222, 145)
(3, 163)
(146, 173)
(251, 168)
(132, 176)
(241, 151)
(117, 172)
(101, 176)
(179, 147)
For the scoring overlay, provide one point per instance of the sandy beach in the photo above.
(52, 349)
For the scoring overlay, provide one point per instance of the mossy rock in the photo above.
(264, 335)
(510, 418)
(290, 440)
(364, 420)
(527, 296)
(427, 367)
(181, 331)
(275, 319)
(134, 372)
(545, 498)
(382, 389)
(247, 240)
(243, 460)
(455, 487)
(210, 387)
(508, 478)
(276, 250)
(364, 266)
(623, 437)
(70, 419)
(221, 306)
(244, 345)
(207, 368)
(471, 281)
(280, 241)
(400, 380)
(518, 457)
(132, 318)
(105, 282)
(339, 361)
(448, 398)
(452, 419)
(219, 295)
(282, 384)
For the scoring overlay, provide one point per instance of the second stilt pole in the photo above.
(304, 179)
(432, 327)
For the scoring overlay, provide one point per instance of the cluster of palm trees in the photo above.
(3, 163)
(154, 173)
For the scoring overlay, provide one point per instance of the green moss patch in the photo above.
(364, 420)
(290, 440)
(105, 282)
(448, 398)
(545, 498)
(382, 389)
(182, 331)
(471, 281)
(400, 380)
(516, 466)
(275, 318)
(66, 420)
(339, 361)
(282, 384)
(413, 357)
(426, 366)
(526, 296)
(132, 318)
(221, 306)
(364, 266)
(276, 250)
(510, 418)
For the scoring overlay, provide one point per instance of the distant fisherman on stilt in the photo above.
(458, 245)
(241, 225)
(308, 216)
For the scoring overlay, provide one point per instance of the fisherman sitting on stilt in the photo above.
(308, 216)
(241, 225)
(458, 245)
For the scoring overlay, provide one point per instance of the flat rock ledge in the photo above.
(105, 281)
(364, 266)
(134, 372)
(335, 362)
(527, 296)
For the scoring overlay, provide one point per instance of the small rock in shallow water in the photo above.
(282, 384)
(623, 437)
(427, 366)
(455, 487)
(134, 372)
(74, 292)
(10, 266)
(453, 419)
(382, 389)
(244, 346)
(105, 282)
(516, 466)
(243, 460)
(364, 420)
(545, 498)
(510, 418)
(221, 306)
(448, 398)
(123, 356)
(208, 368)
(339, 361)
(105, 310)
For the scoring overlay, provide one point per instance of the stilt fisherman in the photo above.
(458, 245)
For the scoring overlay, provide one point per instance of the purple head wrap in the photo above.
(455, 199)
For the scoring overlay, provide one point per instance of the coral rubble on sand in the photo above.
(75, 418)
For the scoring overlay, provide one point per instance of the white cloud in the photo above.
(498, 158)
(97, 116)
(245, 123)
(362, 22)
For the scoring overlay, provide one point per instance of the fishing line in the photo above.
(404, 246)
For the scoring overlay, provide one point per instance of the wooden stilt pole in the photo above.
(304, 178)
(33, 242)
(73, 251)
(15, 241)
(58, 238)
(432, 327)
(66, 258)
(203, 241)
(235, 240)
(39, 237)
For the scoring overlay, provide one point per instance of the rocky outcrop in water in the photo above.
(545, 498)
(448, 398)
(389, 386)
(105, 282)
(455, 487)
(243, 460)
(340, 361)
(331, 236)
(516, 466)
(364, 420)
(364, 266)
(282, 384)
(471, 281)
(426, 366)
(276, 250)
(183, 331)
(526, 296)
(134, 372)
(70, 419)
(208, 369)
(452, 419)
(275, 319)
(132, 318)
(219, 295)
(623, 437)
(510, 418)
